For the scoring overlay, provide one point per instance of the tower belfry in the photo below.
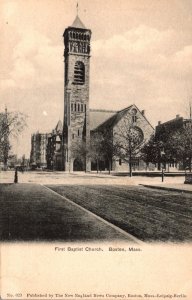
(76, 93)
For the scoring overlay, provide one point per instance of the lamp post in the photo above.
(162, 169)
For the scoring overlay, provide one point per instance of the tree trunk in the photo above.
(5, 163)
(109, 166)
(97, 166)
(130, 169)
(130, 160)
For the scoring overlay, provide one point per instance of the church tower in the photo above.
(76, 95)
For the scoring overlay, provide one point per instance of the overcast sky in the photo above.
(141, 53)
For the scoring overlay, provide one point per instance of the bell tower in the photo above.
(76, 94)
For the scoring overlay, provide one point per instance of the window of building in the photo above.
(120, 162)
(78, 132)
(134, 117)
(78, 107)
(81, 107)
(79, 73)
(75, 106)
(73, 136)
(71, 106)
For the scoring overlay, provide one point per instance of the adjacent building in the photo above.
(167, 132)
(54, 150)
(38, 150)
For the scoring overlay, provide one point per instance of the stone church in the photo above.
(79, 120)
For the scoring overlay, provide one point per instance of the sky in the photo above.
(141, 53)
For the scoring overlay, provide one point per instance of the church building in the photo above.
(79, 120)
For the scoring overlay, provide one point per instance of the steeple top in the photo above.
(78, 23)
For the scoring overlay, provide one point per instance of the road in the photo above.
(148, 214)
(33, 212)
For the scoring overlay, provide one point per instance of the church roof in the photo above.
(99, 116)
(113, 120)
(78, 23)
(116, 117)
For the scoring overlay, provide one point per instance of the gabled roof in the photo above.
(113, 120)
(78, 23)
(59, 126)
(99, 116)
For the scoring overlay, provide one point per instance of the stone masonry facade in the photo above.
(76, 90)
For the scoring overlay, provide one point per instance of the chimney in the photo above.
(143, 112)
(177, 116)
(159, 122)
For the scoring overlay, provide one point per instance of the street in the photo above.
(148, 214)
(78, 207)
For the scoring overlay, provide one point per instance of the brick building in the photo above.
(38, 150)
(165, 132)
(54, 150)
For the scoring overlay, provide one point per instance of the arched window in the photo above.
(134, 117)
(79, 73)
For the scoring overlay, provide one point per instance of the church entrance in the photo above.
(78, 165)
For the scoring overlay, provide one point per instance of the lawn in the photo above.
(148, 214)
(30, 212)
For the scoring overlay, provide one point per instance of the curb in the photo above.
(166, 188)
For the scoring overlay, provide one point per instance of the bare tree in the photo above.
(128, 140)
(11, 125)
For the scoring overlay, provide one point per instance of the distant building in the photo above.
(170, 126)
(54, 154)
(165, 131)
(38, 150)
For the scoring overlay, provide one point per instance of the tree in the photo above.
(103, 146)
(11, 125)
(171, 143)
(128, 140)
(109, 147)
(156, 151)
(150, 151)
(96, 148)
(181, 143)
(80, 150)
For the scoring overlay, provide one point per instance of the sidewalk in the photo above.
(177, 187)
(83, 178)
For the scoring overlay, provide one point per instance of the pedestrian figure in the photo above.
(16, 176)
